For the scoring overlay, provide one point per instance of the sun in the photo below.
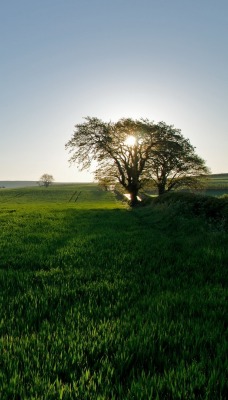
(130, 141)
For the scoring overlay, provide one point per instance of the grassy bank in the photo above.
(101, 302)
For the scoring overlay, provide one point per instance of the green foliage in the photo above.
(101, 302)
(135, 154)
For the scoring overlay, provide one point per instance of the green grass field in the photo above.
(217, 185)
(101, 302)
(218, 180)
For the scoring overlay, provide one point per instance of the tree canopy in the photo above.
(136, 153)
(173, 162)
(46, 180)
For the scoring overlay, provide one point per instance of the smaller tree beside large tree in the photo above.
(46, 180)
(173, 162)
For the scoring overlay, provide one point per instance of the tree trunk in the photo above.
(133, 198)
(161, 189)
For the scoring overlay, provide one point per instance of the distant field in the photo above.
(87, 194)
(223, 176)
(216, 185)
(101, 302)
(218, 181)
(24, 184)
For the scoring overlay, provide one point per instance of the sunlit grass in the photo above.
(98, 301)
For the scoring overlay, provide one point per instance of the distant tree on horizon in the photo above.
(46, 180)
(136, 154)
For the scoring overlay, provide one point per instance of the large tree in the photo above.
(133, 153)
(120, 149)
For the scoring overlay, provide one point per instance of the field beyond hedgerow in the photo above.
(101, 302)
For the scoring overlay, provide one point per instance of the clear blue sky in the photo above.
(62, 60)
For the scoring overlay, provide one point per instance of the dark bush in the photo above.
(213, 209)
